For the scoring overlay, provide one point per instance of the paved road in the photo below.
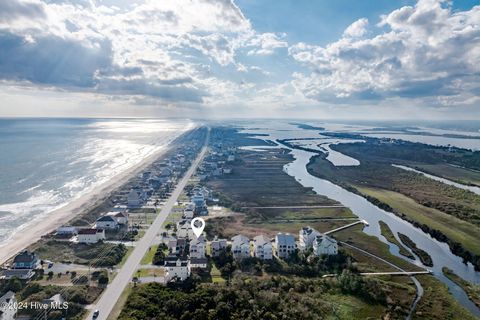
(110, 296)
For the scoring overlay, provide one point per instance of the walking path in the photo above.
(418, 285)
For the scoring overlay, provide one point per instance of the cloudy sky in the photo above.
(243, 58)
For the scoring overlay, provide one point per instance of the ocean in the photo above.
(47, 163)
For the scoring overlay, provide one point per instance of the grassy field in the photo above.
(258, 180)
(461, 175)
(150, 272)
(454, 228)
(388, 234)
(216, 275)
(227, 227)
(148, 257)
(66, 252)
(456, 202)
(365, 263)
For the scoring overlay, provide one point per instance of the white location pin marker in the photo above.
(198, 224)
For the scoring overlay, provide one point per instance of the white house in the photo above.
(216, 246)
(306, 236)
(284, 245)
(120, 217)
(67, 231)
(262, 247)
(184, 229)
(90, 235)
(176, 267)
(323, 244)
(240, 247)
(8, 308)
(133, 199)
(106, 222)
(198, 247)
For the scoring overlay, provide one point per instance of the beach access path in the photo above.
(111, 294)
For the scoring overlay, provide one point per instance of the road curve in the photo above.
(110, 296)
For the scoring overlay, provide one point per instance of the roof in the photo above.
(285, 239)
(309, 230)
(261, 240)
(89, 231)
(25, 256)
(19, 273)
(240, 239)
(171, 261)
(324, 238)
(106, 219)
(7, 297)
(120, 215)
(199, 240)
(198, 260)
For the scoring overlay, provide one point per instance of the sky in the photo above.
(342, 59)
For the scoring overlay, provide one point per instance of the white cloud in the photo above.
(266, 43)
(356, 29)
(421, 51)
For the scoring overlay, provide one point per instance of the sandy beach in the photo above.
(35, 230)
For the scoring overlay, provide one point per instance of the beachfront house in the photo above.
(176, 268)
(198, 247)
(284, 245)
(106, 222)
(120, 217)
(306, 236)
(217, 246)
(133, 199)
(22, 274)
(25, 260)
(262, 247)
(89, 236)
(8, 306)
(240, 247)
(67, 231)
(324, 244)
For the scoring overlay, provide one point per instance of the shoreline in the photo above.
(35, 230)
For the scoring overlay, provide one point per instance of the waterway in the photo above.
(440, 252)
